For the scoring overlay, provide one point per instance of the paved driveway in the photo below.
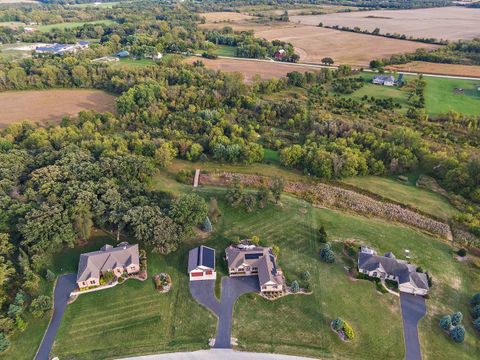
(232, 288)
(64, 286)
(413, 309)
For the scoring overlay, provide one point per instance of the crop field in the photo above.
(450, 23)
(225, 16)
(71, 25)
(51, 105)
(314, 43)
(249, 69)
(437, 68)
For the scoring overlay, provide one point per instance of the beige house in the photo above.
(124, 258)
(251, 260)
(388, 267)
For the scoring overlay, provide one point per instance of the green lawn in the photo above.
(440, 96)
(271, 156)
(408, 194)
(71, 25)
(225, 50)
(129, 62)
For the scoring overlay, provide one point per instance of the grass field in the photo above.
(225, 50)
(421, 199)
(44, 105)
(440, 96)
(71, 25)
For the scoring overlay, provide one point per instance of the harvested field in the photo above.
(51, 105)
(314, 43)
(433, 68)
(224, 16)
(450, 23)
(249, 69)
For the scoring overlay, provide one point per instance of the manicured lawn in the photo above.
(390, 188)
(225, 50)
(133, 318)
(440, 96)
(133, 62)
(71, 25)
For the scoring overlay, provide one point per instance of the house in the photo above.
(61, 48)
(121, 259)
(384, 80)
(28, 29)
(123, 54)
(280, 54)
(387, 267)
(252, 260)
(201, 263)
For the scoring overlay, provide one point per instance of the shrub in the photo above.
(306, 276)
(4, 342)
(255, 240)
(457, 318)
(40, 305)
(121, 279)
(457, 333)
(337, 324)
(462, 252)
(475, 299)
(207, 225)
(183, 176)
(322, 235)
(347, 329)
(327, 255)
(446, 322)
(50, 275)
(294, 286)
(476, 324)
(476, 312)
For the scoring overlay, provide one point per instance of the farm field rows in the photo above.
(44, 105)
(437, 68)
(450, 23)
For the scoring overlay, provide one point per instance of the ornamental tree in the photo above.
(446, 322)
(476, 312)
(337, 324)
(457, 318)
(475, 299)
(294, 286)
(457, 333)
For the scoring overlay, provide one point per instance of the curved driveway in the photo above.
(232, 288)
(63, 287)
(413, 309)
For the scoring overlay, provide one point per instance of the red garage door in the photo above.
(196, 273)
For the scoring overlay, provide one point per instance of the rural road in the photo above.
(63, 287)
(319, 66)
(217, 354)
(232, 288)
(413, 309)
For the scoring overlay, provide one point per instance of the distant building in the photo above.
(201, 263)
(387, 267)
(124, 258)
(280, 54)
(251, 260)
(384, 80)
(61, 48)
(123, 54)
(157, 56)
(29, 29)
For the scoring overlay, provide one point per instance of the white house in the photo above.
(388, 267)
(201, 263)
(384, 80)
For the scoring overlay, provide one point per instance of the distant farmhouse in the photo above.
(201, 263)
(387, 267)
(280, 54)
(251, 260)
(57, 49)
(121, 259)
(388, 80)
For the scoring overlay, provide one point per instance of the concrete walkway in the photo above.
(413, 309)
(217, 354)
(232, 288)
(63, 287)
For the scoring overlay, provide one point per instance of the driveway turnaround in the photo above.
(217, 354)
(413, 309)
(64, 286)
(232, 288)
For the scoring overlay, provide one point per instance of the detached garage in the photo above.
(201, 263)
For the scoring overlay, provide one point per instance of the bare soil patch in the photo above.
(224, 16)
(313, 43)
(434, 68)
(450, 23)
(51, 105)
(265, 69)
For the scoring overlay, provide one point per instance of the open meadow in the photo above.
(449, 23)
(71, 25)
(51, 105)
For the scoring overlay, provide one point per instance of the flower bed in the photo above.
(163, 282)
(343, 329)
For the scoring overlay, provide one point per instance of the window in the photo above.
(374, 274)
(92, 282)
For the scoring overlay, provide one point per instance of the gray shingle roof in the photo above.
(107, 258)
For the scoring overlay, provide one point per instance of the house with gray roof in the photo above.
(388, 267)
(201, 263)
(252, 260)
(124, 258)
(384, 80)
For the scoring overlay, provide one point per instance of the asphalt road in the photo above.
(64, 286)
(232, 288)
(413, 309)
